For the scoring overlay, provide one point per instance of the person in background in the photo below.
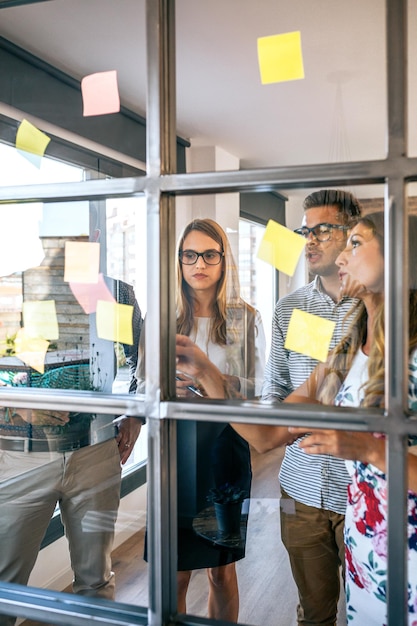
(230, 333)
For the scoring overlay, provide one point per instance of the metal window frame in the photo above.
(161, 185)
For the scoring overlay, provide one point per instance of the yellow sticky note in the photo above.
(309, 334)
(31, 351)
(281, 247)
(100, 93)
(31, 142)
(40, 320)
(280, 58)
(114, 321)
(82, 260)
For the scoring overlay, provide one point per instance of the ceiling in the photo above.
(336, 113)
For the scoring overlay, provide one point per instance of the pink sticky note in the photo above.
(100, 93)
(88, 294)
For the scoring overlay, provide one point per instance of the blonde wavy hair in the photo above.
(340, 361)
(228, 303)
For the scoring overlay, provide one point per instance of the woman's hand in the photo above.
(351, 288)
(351, 445)
(183, 384)
(192, 362)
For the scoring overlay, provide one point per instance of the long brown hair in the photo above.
(342, 356)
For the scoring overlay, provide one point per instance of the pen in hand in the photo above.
(192, 388)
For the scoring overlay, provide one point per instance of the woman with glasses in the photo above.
(211, 312)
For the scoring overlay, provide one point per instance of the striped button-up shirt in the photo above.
(320, 481)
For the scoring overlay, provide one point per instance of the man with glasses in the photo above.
(314, 488)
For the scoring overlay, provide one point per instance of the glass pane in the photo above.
(344, 258)
(65, 106)
(73, 293)
(72, 302)
(255, 111)
(211, 286)
(411, 84)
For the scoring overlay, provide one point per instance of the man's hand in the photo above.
(128, 432)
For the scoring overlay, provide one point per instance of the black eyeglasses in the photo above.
(321, 232)
(210, 257)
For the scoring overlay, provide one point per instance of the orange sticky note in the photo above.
(114, 321)
(39, 319)
(100, 93)
(281, 247)
(309, 334)
(88, 294)
(82, 260)
(31, 350)
(280, 58)
(31, 142)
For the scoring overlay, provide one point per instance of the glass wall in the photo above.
(92, 244)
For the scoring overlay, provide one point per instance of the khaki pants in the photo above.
(314, 542)
(86, 484)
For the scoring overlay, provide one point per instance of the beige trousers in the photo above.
(86, 485)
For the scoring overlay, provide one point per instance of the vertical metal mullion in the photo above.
(160, 326)
(396, 317)
(396, 29)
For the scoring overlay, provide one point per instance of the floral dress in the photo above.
(366, 521)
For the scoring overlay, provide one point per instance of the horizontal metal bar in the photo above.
(267, 179)
(68, 400)
(73, 610)
(66, 192)
(372, 420)
(273, 413)
(264, 412)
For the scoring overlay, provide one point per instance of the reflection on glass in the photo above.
(54, 280)
(65, 322)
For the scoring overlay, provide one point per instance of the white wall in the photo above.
(223, 208)
(293, 217)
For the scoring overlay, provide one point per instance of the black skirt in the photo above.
(208, 455)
